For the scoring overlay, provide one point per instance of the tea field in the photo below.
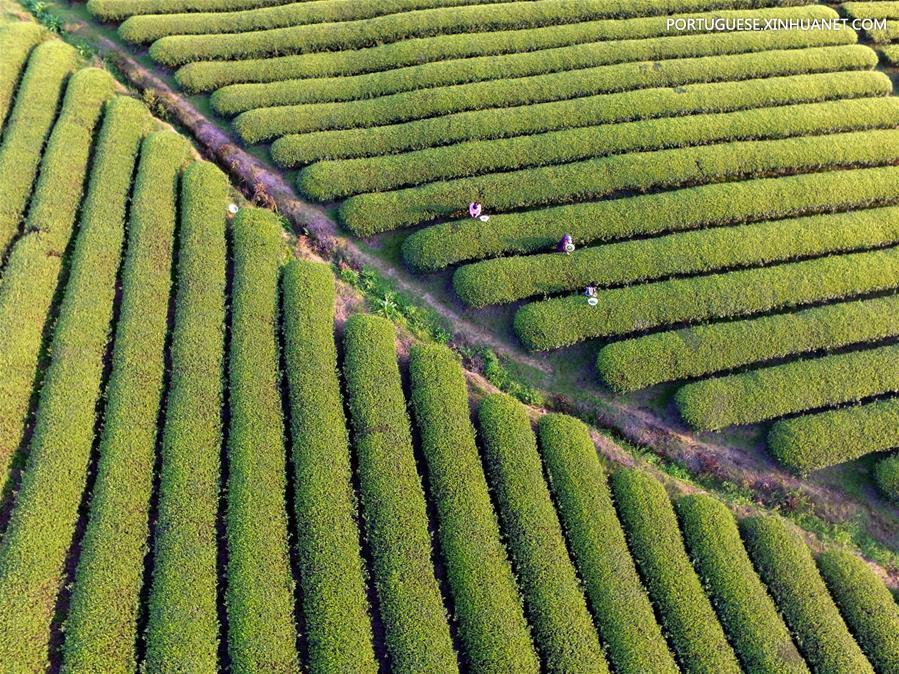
(214, 459)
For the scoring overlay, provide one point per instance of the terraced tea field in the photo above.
(887, 37)
(731, 193)
(213, 459)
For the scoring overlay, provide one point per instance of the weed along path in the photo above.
(712, 457)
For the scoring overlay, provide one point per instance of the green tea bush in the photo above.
(260, 587)
(238, 98)
(147, 28)
(866, 604)
(798, 386)
(820, 440)
(508, 279)
(554, 323)
(338, 625)
(731, 203)
(266, 123)
(885, 35)
(101, 627)
(332, 179)
(29, 124)
(487, 605)
(368, 214)
(786, 565)
(705, 349)
(886, 477)
(178, 49)
(210, 75)
(183, 628)
(553, 598)
(655, 541)
(620, 605)
(34, 263)
(872, 10)
(40, 531)
(16, 42)
(116, 10)
(393, 502)
(749, 617)
(641, 104)
(891, 54)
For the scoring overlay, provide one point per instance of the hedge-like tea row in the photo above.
(109, 578)
(116, 10)
(16, 43)
(338, 625)
(555, 323)
(502, 280)
(749, 617)
(891, 54)
(33, 553)
(266, 123)
(884, 35)
(145, 28)
(27, 128)
(368, 214)
(393, 502)
(886, 477)
(30, 278)
(819, 440)
(580, 112)
(872, 10)
(242, 97)
(705, 349)
(620, 605)
(329, 180)
(786, 565)
(182, 632)
(179, 49)
(260, 599)
(101, 627)
(210, 75)
(794, 387)
(866, 604)
(553, 598)
(487, 605)
(655, 541)
(693, 208)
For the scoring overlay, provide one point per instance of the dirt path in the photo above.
(266, 185)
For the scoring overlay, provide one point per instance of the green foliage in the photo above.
(16, 42)
(786, 565)
(819, 440)
(210, 75)
(704, 349)
(332, 580)
(553, 598)
(238, 98)
(508, 279)
(620, 605)
(502, 379)
(265, 123)
(182, 633)
(393, 502)
(748, 615)
(260, 588)
(640, 104)
(558, 322)
(480, 17)
(655, 542)
(866, 605)
(116, 10)
(28, 126)
(368, 214)
(101, 630)
(487, 604)
(33, 554)
(798, 386)
(886, 477)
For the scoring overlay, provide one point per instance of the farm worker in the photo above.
(590, 291)
(566, 245)
(474, 209)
